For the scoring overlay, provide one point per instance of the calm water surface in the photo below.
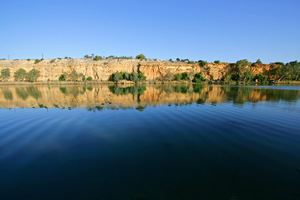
(150, 143)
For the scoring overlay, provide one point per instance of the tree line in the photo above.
(21, 75)
(133, 76)
(74, 76)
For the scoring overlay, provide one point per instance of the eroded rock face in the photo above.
(102, 70)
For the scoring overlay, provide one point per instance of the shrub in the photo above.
(279, 63)
(73, 75)
(141, 57)
(141, 76)
(97, 58)
(248, 76)
(5, 73)
(89, 78)
(261, 78)
(242, 63)
(241, 67)
(83, 78)
(217, 61)
(199, 78)
(178, 77)
(184, 76)
(258, 61)
(227, 78)
(33, 75)
(62, 77)
(235, 77)
(52, 61)
(20, 75)
(134, 77)
(36, 61)
(202, 63)
(28, 59)
(126, 76)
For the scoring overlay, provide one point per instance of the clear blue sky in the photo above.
(227, 30)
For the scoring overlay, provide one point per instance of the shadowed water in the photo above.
(150, 142)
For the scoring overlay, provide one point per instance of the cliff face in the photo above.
(101, 70)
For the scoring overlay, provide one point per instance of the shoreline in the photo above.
(129, 83)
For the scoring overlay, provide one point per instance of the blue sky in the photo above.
(225, 30)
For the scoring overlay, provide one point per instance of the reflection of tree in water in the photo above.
(96, 108)
(198, 88)
(134, 90)
(21, 92)
(83, 90)
(277, 95)
(90, 88)
(34, 92)
(240, 95)
(64, 90)
(74, 91)
(7, 93)
(141, 108)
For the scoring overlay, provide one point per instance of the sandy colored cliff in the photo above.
(101, 70)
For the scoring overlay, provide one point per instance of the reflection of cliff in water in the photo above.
(139, 96)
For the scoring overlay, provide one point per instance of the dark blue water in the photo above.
(159, 142)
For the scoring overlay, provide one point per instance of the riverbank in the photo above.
(130, 83)
(102, 70)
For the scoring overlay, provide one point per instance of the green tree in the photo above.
(5, 73)
(73, 75)
(202, 63)
(241, 67)
(141, 57)
(178, 77)
(36, 61)
(227, 78)
(33, 75)
(217, 61)
(141, 76)
(178, 59)
(89, 78)
(117, 77)
(248, 76)
(62, 77)
(261, 78)
(126, 76)
(134, 77)
(199, 78)
(20, 75)
(258, 61)
(185, 76)
(97, 58)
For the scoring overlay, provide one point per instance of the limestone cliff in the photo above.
(101, 70)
